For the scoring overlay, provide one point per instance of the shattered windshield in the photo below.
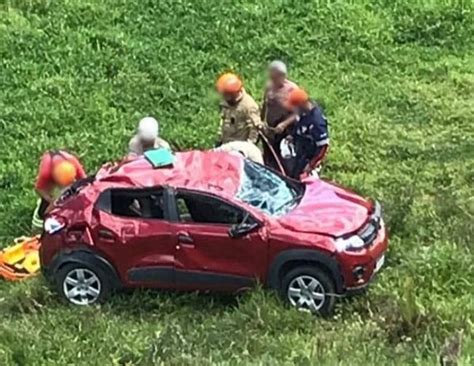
(268, 191)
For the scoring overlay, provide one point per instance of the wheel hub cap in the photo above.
(82, 287)
(306, 293)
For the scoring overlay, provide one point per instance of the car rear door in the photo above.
(206, 257)
(133, 230)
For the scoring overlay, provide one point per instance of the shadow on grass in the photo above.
(35, 297)
(139, 302)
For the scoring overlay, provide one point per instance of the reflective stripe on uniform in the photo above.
(322, 142)
(37, 222)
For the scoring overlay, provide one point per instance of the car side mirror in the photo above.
(240, 230)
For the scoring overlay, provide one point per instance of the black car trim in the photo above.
(152, 274)
(357, 290)
(304, 255)
(171, 205)
(183, 277)
(83, 256)
(212, 278)
(370, 231)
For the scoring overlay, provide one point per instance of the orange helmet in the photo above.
(229, 83)
(297, 98)
(222, 79)
(64, 173)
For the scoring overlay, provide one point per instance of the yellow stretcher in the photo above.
(21, 260)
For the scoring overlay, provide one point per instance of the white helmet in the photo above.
(279, 66)
(148, 129)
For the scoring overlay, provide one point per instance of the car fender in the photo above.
(305, 255)
(83, 256)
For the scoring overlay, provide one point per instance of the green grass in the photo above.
(397, 81)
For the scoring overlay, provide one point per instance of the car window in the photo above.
(196, 208)
(270, 192)
(137, 203)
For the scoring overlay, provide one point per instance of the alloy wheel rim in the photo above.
(306, 293)
(82, 286)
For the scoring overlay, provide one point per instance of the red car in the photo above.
(211, 221)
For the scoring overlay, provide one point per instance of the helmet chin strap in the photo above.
(234, 99)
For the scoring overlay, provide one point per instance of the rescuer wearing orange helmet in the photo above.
(310, 135)
(240, 120)
(57, 170)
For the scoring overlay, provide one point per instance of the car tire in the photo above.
(81, 284)
(309, 288)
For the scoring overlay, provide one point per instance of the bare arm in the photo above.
(290, 121)
(282, 126)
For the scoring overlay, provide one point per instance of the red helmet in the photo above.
(297, 98)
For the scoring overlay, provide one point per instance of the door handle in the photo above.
(185, 238)
(128, 232)
(106, 235)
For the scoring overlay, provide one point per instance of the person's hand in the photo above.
(267, 131)
(279, 128)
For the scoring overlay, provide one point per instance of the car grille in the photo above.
(370, 231)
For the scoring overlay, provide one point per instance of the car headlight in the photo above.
(354, 242)
(53, 225)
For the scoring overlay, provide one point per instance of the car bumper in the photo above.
(362, 267)
(355, 290)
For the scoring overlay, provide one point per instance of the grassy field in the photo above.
(397, 81)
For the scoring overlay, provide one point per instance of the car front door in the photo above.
(206, 257)
(134, 231)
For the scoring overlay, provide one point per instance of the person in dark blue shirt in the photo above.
(310, 135)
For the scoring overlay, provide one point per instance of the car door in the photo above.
(206, 256)
(134, 231)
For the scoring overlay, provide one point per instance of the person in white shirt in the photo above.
(146, 138)
(245, 148)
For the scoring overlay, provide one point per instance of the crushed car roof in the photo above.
(196, 170)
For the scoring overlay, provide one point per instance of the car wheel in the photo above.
(82, 285)
(309, 289)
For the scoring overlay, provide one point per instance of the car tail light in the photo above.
(54, 224)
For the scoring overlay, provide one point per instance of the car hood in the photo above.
(327, 209)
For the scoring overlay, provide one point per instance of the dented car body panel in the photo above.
(165, 246)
